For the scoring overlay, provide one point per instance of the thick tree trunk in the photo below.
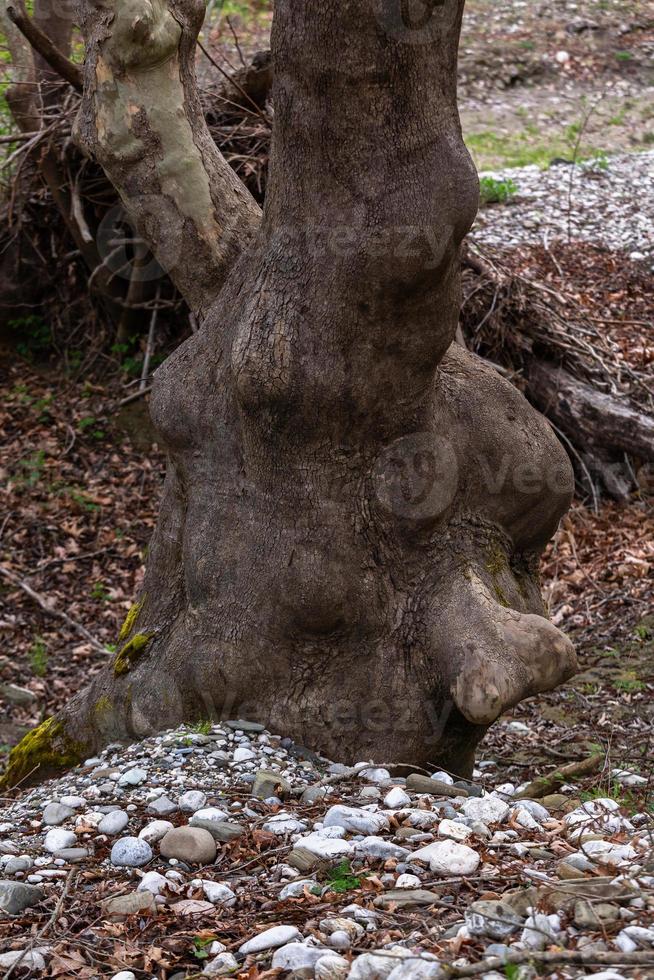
(349, 534)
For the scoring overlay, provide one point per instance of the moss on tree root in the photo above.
(130, 620)
(132, 650)
(45, 751)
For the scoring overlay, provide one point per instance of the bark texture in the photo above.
(141, 119)
(354, 508)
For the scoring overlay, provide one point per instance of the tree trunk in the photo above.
(349, 534)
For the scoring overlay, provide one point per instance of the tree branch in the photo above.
(142, 120)
(70, 72)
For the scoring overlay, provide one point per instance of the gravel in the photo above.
(609, 201)
(464, 875)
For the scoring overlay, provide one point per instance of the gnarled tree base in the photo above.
(378, 604)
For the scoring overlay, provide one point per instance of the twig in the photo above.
(583, 956)
(56, 613)
(69, 71)
(150, 343)
(135, 396)
(549, 784)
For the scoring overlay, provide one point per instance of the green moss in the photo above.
(130, 620)
(132, 650)
(43, 752)
(496, 565)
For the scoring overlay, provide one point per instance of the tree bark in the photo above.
(349, 534)
(141, 119)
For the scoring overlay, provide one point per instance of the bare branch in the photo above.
(70, 72)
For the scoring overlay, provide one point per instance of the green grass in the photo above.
(341, 879)
(38, 656)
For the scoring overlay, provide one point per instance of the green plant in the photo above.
(99, 591)
(38, 654)
(643, 631)
(629, 685)
(200, 947)
(341, 878)
(624, 55)
(496, 190)
(86, 425)
(35, 336)
(32, 468)
(201, 727)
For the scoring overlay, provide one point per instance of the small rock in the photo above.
(155, 830)
(192, 800)
(218, 894)
(377, 848)
(446, 857)
(295, 889)
(190, 907)
(332, 967)
(130, 852)
(271, 939)
(15, 896)
(133, 904)
(541, 930)
(396, 798)
(133, 777)
(416, 783)
(327, 848)
(298, 959)
(241, 754)
(489, 809)
(113, 823)
(17, 695)
(32, 960)
(162, 807)
(356, 821)
(491, 918)
(223, 964)
(402, 897)
(153, 882)
(56, 840)
(408, 881)
(124, 975)
(241, 725)
(454, 830)
(56, 813)
(282, 824)
(191, 844)
(593, 915)
(268, 783)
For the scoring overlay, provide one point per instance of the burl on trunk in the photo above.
(348, 540)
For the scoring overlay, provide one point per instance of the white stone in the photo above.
(241, 754)
(33, 960)
(271, 939)
(57, 840)
(209, 813)
(113, 822)
(489, 809)
(192, 801)
(607, 853)
(628, 778)
(378, 965)
(356, 821)
(408, 881)
(283, 823)
(56, 813)
(540, 930)
(454, 830)
(295, 889)
(124, 975)
(443, 777)
(155, 830)
(153, 882)
(425, 968)
(380, 849)
(298, 959)
(224, 964)
(396, 798)
(130, 852)
(446, 857)
(332, 967)
(374, 775)
(326, 847)
(133, 777)
(537, 810)
(218, 894)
